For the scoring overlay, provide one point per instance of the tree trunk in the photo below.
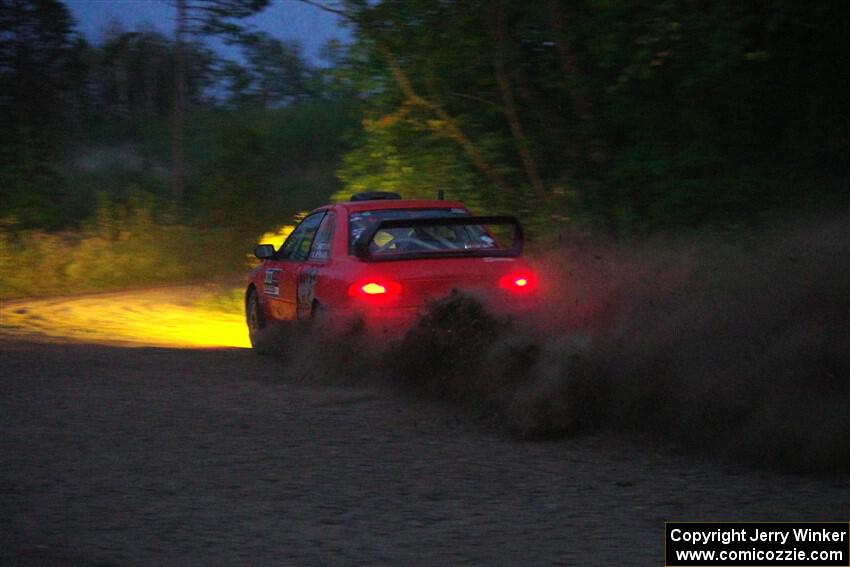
(548, 121)
(579, 97)
(179, 112)
(151, 90)
(122, 85)
(497, 32)
(453, 130)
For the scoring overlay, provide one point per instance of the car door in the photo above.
(312, 271)
(280, 281)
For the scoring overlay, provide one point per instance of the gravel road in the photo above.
(152, 456)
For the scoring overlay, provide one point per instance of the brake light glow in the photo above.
(519, 282)
(375, 288)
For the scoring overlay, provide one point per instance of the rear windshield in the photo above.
(435, 238)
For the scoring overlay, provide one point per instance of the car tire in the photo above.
(319, 318)
(258, 331)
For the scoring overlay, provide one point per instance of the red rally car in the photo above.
(383, 258)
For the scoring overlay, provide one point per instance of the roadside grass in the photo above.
(122, 246)
(223, 299)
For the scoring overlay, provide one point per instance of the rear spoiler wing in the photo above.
(361, 245)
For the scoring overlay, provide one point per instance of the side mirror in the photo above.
(264, 251)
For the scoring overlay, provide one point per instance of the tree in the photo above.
(198, 19)
(133, 73)
(37, 54)
(276, 72)
(633, 115)
(392, 30)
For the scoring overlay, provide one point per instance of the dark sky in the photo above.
(284, 19)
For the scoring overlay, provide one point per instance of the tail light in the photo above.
(375, 287)
(518, 282)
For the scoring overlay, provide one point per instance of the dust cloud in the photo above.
(735, 346)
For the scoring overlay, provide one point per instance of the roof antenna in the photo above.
(440, 194)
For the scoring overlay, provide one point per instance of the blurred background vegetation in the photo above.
(150, 158)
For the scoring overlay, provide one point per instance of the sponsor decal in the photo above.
(306, 291)
(271, 282)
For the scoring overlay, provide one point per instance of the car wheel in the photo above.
(258, 333)
(318, 317)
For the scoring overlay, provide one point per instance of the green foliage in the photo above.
(38, 54)
(275, 74)
(30, 187)
(237, 170)
(402, 158)
(222, 298)
(264, 165)
(121, 245)
(627, 116)
(634, 117)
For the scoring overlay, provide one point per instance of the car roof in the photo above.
(383, 204)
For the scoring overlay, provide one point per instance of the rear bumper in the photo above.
(395, 321)
(376, 321)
